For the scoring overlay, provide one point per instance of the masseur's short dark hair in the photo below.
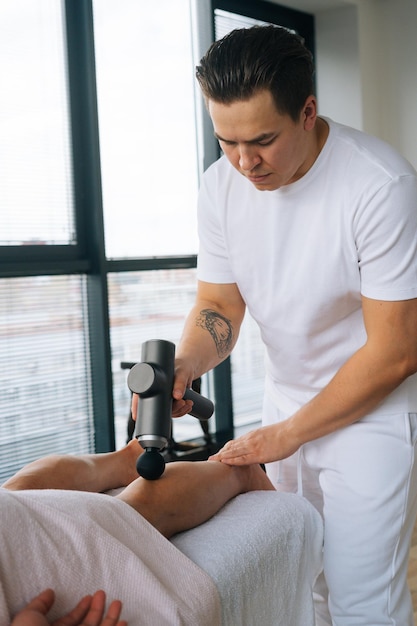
(249, 60)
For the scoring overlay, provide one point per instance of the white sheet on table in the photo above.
(77, 542)
(264, 552)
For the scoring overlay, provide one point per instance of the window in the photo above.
(149, 164)
(45, 401)
(98, 184)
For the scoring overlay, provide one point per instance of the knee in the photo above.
(34, 475)
(19, 483)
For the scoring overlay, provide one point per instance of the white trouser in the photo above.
(363, 480)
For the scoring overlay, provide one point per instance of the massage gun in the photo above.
(153, 380)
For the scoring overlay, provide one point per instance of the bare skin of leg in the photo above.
(86, 472)
(190, 493)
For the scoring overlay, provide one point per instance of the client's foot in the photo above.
(254, 478)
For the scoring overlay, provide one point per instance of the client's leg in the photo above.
(189, 493)
(87, 472)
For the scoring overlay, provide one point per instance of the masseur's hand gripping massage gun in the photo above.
(153, 380)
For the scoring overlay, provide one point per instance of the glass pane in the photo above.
(145, 82)
(45, 400)
(35, 171)
(144, 306)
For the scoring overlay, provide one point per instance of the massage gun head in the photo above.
(150, 464)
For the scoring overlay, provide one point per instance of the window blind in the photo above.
(35, 167)
(45, 399)
(225, 21)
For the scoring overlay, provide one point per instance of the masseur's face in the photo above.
(268, 148)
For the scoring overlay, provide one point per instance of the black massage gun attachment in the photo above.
(153, 380)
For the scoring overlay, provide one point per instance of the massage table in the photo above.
(252, 564)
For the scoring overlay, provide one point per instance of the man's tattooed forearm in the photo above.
(219, 327)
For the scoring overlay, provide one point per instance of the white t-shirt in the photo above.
(303, 254)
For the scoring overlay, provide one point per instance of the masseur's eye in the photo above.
(266, 143)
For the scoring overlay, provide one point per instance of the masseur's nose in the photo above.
(248, 158)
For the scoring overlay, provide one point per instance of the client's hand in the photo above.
(88, 612)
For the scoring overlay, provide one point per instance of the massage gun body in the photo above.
(153, 380)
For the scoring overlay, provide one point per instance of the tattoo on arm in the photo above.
(219, 327)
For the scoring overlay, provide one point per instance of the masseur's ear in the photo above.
(309, 113)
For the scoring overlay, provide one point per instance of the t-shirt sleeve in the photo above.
(386, 240)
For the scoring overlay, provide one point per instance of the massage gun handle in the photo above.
(202, 408)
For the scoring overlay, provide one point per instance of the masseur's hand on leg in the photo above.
(88, 612)
(263, 445)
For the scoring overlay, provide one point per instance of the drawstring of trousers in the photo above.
(299, 473)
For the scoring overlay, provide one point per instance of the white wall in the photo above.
(367, 66)
(367, 69)
(338, 76)
(388, 55)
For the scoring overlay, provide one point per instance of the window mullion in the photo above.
(89, 209)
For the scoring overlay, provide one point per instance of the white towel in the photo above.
(264, 551)
(77, 542)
